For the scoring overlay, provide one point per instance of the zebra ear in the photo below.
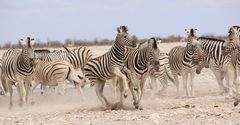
(118, 30)
(22, 43)
(32, 42)
(159, 41)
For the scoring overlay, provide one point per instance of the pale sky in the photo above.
(89, 19)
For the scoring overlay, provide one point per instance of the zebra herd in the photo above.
(128, 64)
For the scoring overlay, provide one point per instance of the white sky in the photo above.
(89, 19)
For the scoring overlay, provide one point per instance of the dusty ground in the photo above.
(206, 108)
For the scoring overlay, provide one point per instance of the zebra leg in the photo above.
(154, 86)
(164, 83)
(220, 82)
(79, 88)
(192, 75)
(135, 99)
(118, 73)
(22, 93)
(99, 91)
(1, 88)
(34, 85)
(114, 86)
(235, 83)
(142, 82)
(61, 88)
(27, 85)
(176, 81)
(185, 86)
(9, 84)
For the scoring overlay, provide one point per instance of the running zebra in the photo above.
(138, 62)
(220, 63)
(109, 65)
(55, 73)
(162, 75)
(180, 60)
(17, 68)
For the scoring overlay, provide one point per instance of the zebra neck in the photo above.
(23, 63)
(144, 56)
(118, 50)
(187, 57)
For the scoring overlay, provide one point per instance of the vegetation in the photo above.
(71, 42)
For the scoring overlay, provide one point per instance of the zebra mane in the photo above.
(28, 41)
(154, 45)
(210, 39)
(42, 51)
(191, 32)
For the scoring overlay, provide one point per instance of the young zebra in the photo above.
(180, 60)
(162, 75)
(17, 67)
(55, 73)
(212, 56)
(109, 65)
(138, 61)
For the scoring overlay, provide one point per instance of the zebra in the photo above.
(213, 57)
(109, 65)
(231, 46)
(17, 67)
(162, 75)
(78, 57)
(180, 60)
(55, 73)
(137, 61)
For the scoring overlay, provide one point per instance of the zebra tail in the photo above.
(169, 75)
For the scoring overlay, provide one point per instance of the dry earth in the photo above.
(207, 107)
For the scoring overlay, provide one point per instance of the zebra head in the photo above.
(233, 41)
(199, 58)
(27, 51)
(154, 52)
(191, 39)
(124, 38)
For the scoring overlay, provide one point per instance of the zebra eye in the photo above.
(125, 36)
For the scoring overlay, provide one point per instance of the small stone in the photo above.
(187, 106)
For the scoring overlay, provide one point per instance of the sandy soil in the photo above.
(207, 107)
